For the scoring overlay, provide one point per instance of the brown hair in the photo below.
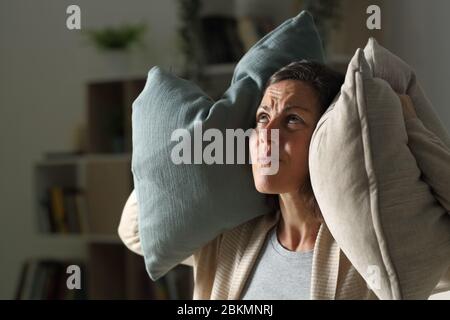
(326, 83)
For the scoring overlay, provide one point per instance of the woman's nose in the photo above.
(268, 134)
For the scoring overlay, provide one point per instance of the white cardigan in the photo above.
(222, 266)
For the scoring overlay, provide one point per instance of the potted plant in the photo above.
(116, 42)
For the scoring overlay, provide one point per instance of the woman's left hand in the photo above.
(409, 112)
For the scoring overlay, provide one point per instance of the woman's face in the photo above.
(292, 107)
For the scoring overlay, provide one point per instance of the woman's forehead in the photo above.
(290, 89)
(275, 92)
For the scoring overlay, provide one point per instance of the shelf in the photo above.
(61, 237)
(109, 114)
(82, 193)
(78, 159)
(45, 279)
(79, 196)
(107, 239)
(85, 238)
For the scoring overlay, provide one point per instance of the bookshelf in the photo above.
(45, 279)
(79, 197)
(248, 20)
(82, 195)
(109, 116)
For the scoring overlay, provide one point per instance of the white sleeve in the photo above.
(129, 225)
(129, 228)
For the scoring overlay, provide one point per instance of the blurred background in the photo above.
(65, 108)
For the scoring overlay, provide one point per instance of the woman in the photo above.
(289, 254)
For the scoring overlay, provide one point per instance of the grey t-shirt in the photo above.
(279, 273)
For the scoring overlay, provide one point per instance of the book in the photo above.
(63, 210)
(72, 211)
(46, 279)
(82, 213)
(57, 209)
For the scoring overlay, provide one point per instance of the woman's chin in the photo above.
(264, 185)
(275, 184)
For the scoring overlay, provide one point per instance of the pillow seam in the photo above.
(375, 215)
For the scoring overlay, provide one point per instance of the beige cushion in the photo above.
(402, 78)
(368, 185)
(128, 229)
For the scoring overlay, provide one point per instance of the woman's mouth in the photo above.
(264, 160)
(267, 161)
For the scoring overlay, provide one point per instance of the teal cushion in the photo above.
(184, 206)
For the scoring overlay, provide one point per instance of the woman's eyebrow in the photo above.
(289, 107)
(265, 107)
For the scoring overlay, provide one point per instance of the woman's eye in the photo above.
(294, 119)
(262, 118)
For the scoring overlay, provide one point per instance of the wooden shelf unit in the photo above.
(100, 179)
(109, 115)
